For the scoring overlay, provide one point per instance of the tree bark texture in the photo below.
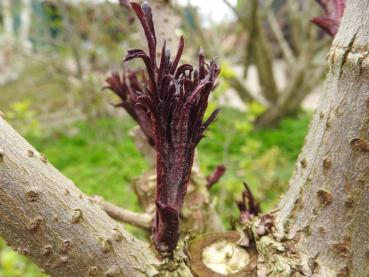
(43, 215)
(327, 205)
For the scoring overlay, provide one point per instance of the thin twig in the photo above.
(141, 220)
(287, 52)
(235, 11)
(235, 83)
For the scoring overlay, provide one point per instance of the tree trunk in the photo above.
(25, 25)
(166, 22)
(327, 203)
(43, 215)
(290, 101)
(258, 49)
(6, 8)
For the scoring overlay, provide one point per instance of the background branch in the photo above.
(141, 220)
(45, 216)
(286, 49)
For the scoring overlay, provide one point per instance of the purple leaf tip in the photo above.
(333, 12)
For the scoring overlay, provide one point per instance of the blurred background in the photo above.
(55, 56)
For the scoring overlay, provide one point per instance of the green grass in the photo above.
(101, 159)
(264, 158)
(36, 85)
(15, 265)
(288, 136)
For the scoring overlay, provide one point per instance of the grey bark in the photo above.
(327, 204)
(45, 216)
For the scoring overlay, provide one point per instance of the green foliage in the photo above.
(268, 175)
(99, 157)
(263, 158)
(14, 265)
(227, 70)
(288, 136)
(39, 90)
(24, 117)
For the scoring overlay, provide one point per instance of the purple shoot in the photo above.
(333, 11)
(248, 206)
(175, 99)
(215, 175)
(128, 87)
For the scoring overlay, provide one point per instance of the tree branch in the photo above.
(141, 220)
(6, 7)
(234, 10)
(259, 49)
(45, 216)
(239, 87)
(327, 202)
(286, 49)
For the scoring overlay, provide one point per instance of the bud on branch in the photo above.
(247, 206)
(215, 176)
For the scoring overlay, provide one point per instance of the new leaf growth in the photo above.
(333, 11)
(128, 88)
(215, 176)
(174, 98)
(247, 206)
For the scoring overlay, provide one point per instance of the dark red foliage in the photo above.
(128, 87)
(248, 206)
(215, 175)
(175, 99)
(333, 11)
